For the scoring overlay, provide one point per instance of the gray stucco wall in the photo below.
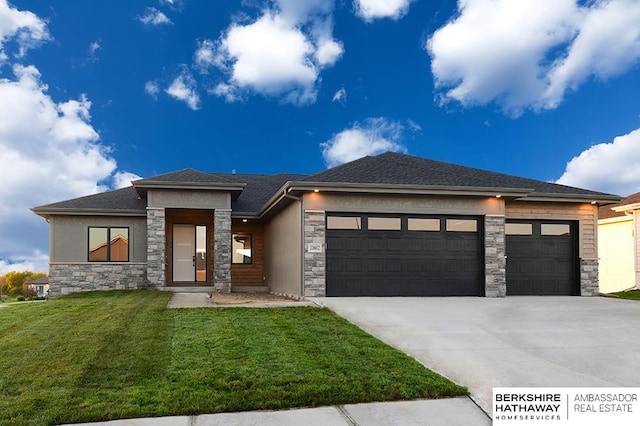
(283, 252)
(403, 204)
(189, 199)
(70, 236)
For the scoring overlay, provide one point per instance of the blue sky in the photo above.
(96, 93)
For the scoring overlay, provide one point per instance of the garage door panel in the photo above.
(406, 263)
(542, 264)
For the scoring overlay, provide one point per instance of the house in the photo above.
(386, 225)
(39, 285)
(619, 245)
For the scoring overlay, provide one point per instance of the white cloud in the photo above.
(206, 56)
(92, 53)
(527, 54)
(608, 167)
(184, 89)
(374, 136)
(25, 27)
(369, 10)
(152, 89)
(280, 54)
(124, 179)
(34, 262)
(153, 16)
(49, 152)
(340, 96)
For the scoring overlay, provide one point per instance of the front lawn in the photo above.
(631, 295)
(108, 355)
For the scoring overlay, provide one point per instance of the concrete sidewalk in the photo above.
(435, 412)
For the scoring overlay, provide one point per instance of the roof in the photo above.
(390, 171)
(607, 212)
(36, 281)
(119, 199)
(394, 168)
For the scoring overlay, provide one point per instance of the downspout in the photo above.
(299, 199)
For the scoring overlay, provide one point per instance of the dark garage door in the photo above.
(402, 255)
(541, 258)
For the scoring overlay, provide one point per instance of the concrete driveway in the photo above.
(484, 343)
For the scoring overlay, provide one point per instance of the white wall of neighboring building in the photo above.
(616, 250)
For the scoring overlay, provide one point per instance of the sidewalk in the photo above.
(434, 412)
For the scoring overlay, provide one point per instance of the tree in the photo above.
(15, 280)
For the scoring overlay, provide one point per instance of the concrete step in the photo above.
(194, 289)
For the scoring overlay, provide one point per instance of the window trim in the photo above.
(108, 245)
(243, 234)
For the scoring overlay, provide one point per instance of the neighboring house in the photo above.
(619, 245)
(39, 285)
(389, 225)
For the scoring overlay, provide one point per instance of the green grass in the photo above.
(109, 355)
(631, 295)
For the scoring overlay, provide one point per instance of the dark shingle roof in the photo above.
(394, 168)
(259, 190)
(118, 199)
(187, 175)
(606, 212)
(385, 169)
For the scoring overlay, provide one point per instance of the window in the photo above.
(560, 229)
(385, 223)
(462, 225)
(344, 222)
(416, 224)
(519, 229)
(241, 248)
(108, 244)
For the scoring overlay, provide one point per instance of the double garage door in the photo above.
(402, 255)
(409, 255)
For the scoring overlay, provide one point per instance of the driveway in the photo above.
(515, 341)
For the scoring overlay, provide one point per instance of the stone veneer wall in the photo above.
(494, 256)
(156, 243)
(314, 263)
(65, 278)
(589, 277)
(222, 250)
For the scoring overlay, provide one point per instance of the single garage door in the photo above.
(404, 255)
(542, 258)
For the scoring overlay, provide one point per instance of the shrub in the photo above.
(20, 299)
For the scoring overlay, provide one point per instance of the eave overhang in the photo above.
(295, 189)
(626, 207)
(48, 212)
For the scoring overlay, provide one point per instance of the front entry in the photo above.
(189, 253)
(189, 247)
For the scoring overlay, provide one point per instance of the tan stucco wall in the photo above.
(636, 233)
(70, 236)
(586, 214)
(616, 252)
(189, 199)
(403, 204)
(283, 251)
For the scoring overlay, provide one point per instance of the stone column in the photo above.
(589, 277)
(314, 253)
(156, 246)
(222, 250)
(494, 256)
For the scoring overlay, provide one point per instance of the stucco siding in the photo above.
(189, 199)
(283, 252)
(403, 204)
(616, 251)
(70, 236)
(636, 233)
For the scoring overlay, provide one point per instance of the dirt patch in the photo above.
(247, 298)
